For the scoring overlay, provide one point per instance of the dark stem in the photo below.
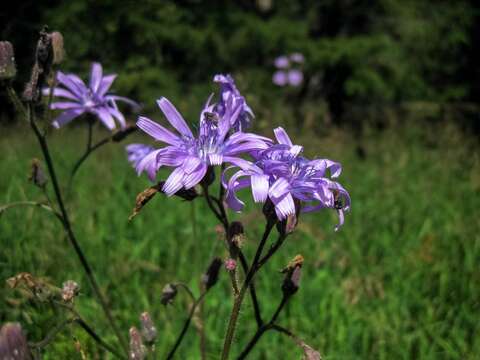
(253, 292)
(68, 228)
(185, 326)
(264, 328)
(272, 250)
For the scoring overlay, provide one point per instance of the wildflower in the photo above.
(149, 331)
(13, 343)
(281, 175)
(282, 62)
(193, 155)
(230, 93)
(136, 153)
(295, 77)
(297, 57)
(92, 99)
(7, 61)
(280, 78)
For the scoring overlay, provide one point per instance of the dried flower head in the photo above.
(37, 175)
(56, 39)
(211, 276)
(149, 331)
(137, 349)
(292, 272)
(8, 69)
(13, 343)
(168, 294)
(70, 290)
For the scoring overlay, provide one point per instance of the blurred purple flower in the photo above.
(192, 155)
(282, 175)
(297, 57)
(280, 78)
(282, 62)
(136, 152)
(295, 77)
(230, 93)
(91, 99)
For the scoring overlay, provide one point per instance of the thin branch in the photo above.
(31, 203)
(68, 228)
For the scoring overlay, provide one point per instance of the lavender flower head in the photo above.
(136, 153)
(280, 174)
(190, 154)
(93, 99)
(288, 71)
(230, 93)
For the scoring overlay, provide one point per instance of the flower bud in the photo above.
(37, 175)
(149, 331)
(211, 276)
(230, 264)
(56, 39)
(288, 225)
(168, 294)
(209, 177)
(121, 134)
(70, 290)
(13, 343)
(292, 272)
(269, 211)
(7, 61)
(137, 349)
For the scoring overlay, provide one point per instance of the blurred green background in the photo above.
(391, 91)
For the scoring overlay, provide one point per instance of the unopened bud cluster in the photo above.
(13, 343)
(211, 276)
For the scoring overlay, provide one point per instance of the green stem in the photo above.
(68, 228)
(238, 300)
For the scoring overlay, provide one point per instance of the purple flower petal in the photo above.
(259, 187)
(192, 179)
(174, 182)
(66, 117)
(64, 105)
(282, 62)
(282, 136)
(59, 92)
(105, 84)
(95, 76)
(105, 117)
(295, 77)
(157, 131)
(174, 117)
(284, 206)
(280, 78)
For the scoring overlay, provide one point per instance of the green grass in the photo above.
(400, 280)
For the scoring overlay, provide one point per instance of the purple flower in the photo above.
(282, 62)
(282, 175)
(280, 78)
(295, 77)
(91, 99)
(297, 57)
(229, 92)
(136, 153)
(191, 155)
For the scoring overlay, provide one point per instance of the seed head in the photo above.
(7, 61)
(211, 276)
(149, 331)
(137, 349)
(13, 343)
(168, 294)
(56, 39)
(70, 290)
(37, 175)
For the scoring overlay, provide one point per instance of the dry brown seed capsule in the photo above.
(149, 331)
(168, 294)
(56, 39)
(8, 69)
(13, 343)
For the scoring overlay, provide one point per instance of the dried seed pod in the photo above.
(13, 343)
(149, 331)
(8, 69)
(292, 272)
(37, 175)
(168, 294)
(137, 349)
(211, 276)
(70, 290)
(56, 39)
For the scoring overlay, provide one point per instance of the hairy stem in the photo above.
(68, 228)
(238, 300)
